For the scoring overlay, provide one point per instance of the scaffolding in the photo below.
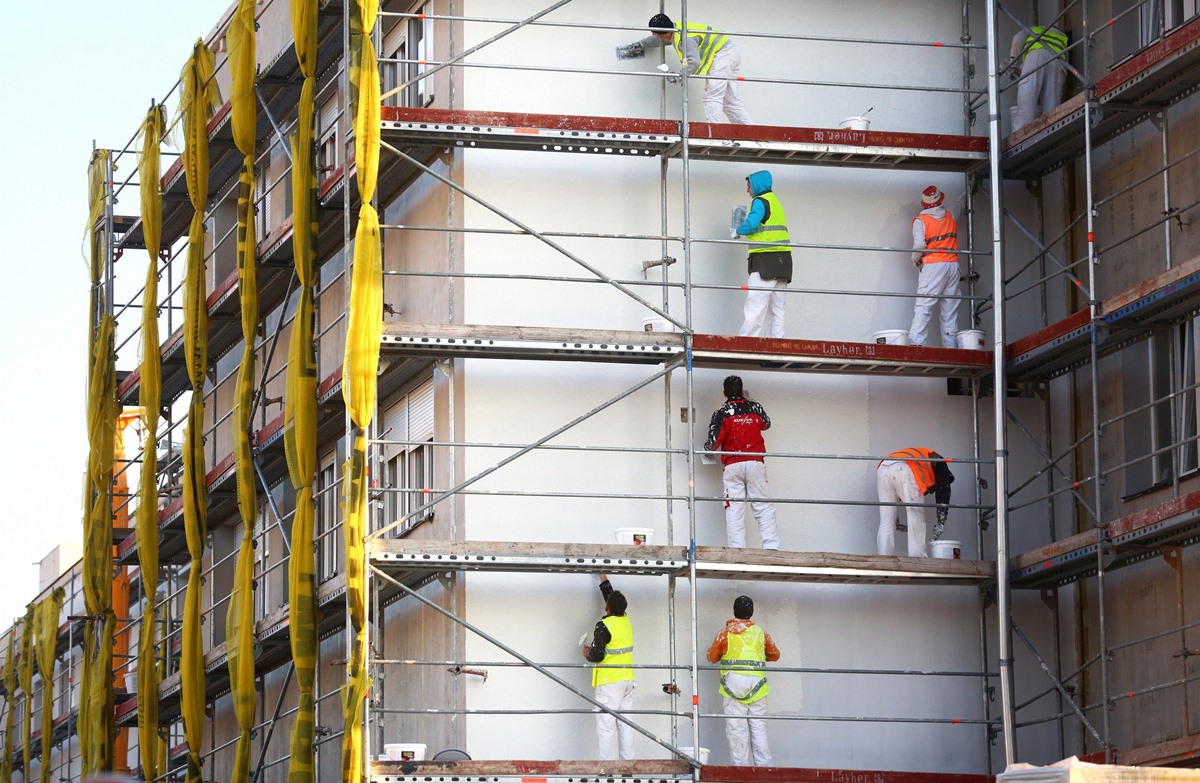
(416, 544)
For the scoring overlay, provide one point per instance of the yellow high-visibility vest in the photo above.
(619, 650)
(746, 655)
(1045, 38)
(773, 229)
(708, 41)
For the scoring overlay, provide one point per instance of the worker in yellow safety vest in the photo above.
(935, 254)
(612, 643)
(769, 259)
(1036, 56)
(906, 476)
(743, 649)
(703, 51)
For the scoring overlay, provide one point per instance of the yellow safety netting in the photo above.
(200, 97)
(48, 610)
(361, 364)
(97, 179)
(96, 703)
(10, 698)
(300, 399)
(239, 622)
(149, 398)
(25, 675)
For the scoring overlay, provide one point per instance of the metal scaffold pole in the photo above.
(1003, 608)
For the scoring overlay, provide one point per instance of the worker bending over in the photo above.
(612, 643)
(743, 649)
(905, 476)
(769, 261)
(703, 52)
(935, 254)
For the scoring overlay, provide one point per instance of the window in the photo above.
(1160, 375)
(408, 459)
(1153, 18)
(407, 46)
(329, 157)
(329, 530)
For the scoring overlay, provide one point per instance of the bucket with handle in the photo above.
(946, 549)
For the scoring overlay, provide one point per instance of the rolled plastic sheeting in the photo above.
(150, 400)
(48, 610)
(200, 97)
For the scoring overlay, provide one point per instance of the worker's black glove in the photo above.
(918, 263)
(940, 525)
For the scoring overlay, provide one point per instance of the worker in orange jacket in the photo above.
(935, 254)
(906, 476)
(743, 650)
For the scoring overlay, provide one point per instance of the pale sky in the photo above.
(74, 72)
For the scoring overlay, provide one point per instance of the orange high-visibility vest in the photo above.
(940, 235)
(922, 471)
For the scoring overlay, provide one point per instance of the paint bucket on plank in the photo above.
(971, 339)
(860, 123)
(405, 751)
(657, 325)
(637, 536)
(890, 337)
(946, 549)
(689, 750)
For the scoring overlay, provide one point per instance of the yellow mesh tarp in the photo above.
(25, 674)
(239, 621)
(10, 699)
(359, 370)
(48, 610)
(150, 399)
(200, 96)
(96, 702)
(300, 399)
(357, 682)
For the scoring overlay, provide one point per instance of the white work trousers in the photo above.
(1039, 85)
(616, 696)
(935, 280)
(748, 480)
(720, 88)
(760, 304)
(745, 729)
(897, 484)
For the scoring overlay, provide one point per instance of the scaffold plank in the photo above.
(527, 771)
(837, 567)
(713, 773)
(834, 356)
(403, 126)
(1129, 539)
(530, 342)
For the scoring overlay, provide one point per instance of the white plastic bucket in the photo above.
(891, 337)
(657, 325)
(131, 681)
(404, 751)
(637, 536)
(971, 339)
(946, 549)
(855, 123)
(702, 758)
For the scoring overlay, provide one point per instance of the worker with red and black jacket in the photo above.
(736, 431)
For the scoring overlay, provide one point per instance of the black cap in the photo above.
(660, 23)
(743, 607)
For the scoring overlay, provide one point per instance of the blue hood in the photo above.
(760, 182)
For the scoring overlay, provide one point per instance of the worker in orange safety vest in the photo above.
(906, 476)
(935, 254)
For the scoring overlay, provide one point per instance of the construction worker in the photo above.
(736, 428)
(1036, 56)
(769, 263)
(935, 254)
(743, 650)
(906, 476)
(703, 51)
(612, 643)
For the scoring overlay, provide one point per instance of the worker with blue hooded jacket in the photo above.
(769, 260)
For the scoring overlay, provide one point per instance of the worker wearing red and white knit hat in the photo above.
(935, 254)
